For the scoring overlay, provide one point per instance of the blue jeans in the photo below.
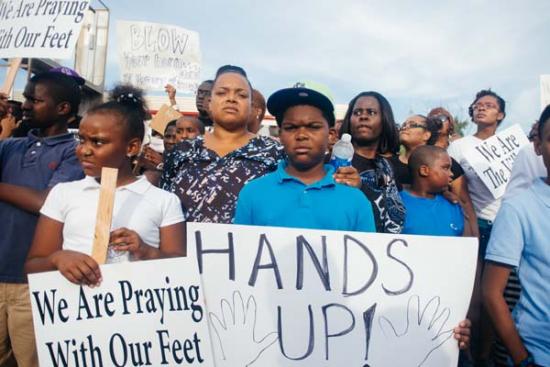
(485, 227)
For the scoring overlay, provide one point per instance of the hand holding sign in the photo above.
(77, 267)
(422, 325)
(238, 323)
(171, 91)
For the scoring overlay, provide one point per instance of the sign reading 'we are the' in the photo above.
(493, 158)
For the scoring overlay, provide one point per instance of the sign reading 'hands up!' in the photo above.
(152, 55)
(296, 297)
(39, 28)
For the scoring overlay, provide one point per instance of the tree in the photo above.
(462, 125)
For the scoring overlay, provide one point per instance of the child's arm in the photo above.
(23, 197)
(493, 283)
(460, 188)
(46, 254)
(172, 242)
(467, 232)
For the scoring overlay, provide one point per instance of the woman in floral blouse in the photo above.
(207, 173)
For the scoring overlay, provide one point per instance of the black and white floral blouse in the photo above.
(208, 185)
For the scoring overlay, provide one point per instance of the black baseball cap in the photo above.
(302, 93)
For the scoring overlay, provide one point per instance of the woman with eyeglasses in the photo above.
(487, 111)
(370, 122)
(417, 130)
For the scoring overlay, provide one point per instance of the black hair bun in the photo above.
(130, 97)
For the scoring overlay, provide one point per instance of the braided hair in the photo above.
(128, 103)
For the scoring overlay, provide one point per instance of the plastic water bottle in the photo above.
(342, 152)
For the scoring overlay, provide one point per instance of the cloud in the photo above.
(417, 53)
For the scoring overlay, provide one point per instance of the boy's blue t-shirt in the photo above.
(281, 200)
(432, 217)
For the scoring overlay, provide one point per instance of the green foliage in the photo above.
(461, 125)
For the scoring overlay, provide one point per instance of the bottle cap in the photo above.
(346, 138)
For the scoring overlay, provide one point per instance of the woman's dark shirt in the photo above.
(403, 175)
(379, 185)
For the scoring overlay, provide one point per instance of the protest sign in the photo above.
(299, 297)
(493, 158)
(38, 28)
(152, 55)
(164, 115)
(143, 313)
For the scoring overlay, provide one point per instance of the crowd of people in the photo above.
(408, 178)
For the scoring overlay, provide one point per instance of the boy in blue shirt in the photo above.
(29, 167)
(302, 192)
(427, 211)
(520, 239)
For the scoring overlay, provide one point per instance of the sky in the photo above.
(419, 54)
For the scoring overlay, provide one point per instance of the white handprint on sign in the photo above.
(424, 328)
(237, 325)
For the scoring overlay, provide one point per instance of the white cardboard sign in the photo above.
(144, 313)
(40, 28)
(298, 297)
(152, 55)
(492, 159)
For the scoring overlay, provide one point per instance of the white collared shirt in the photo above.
(138, 206)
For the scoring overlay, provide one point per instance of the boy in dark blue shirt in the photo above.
(29, 167)
(427, 211)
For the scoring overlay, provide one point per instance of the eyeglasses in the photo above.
(411, 125)
(487, 106)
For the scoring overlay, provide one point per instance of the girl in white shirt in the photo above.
(148, 222)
